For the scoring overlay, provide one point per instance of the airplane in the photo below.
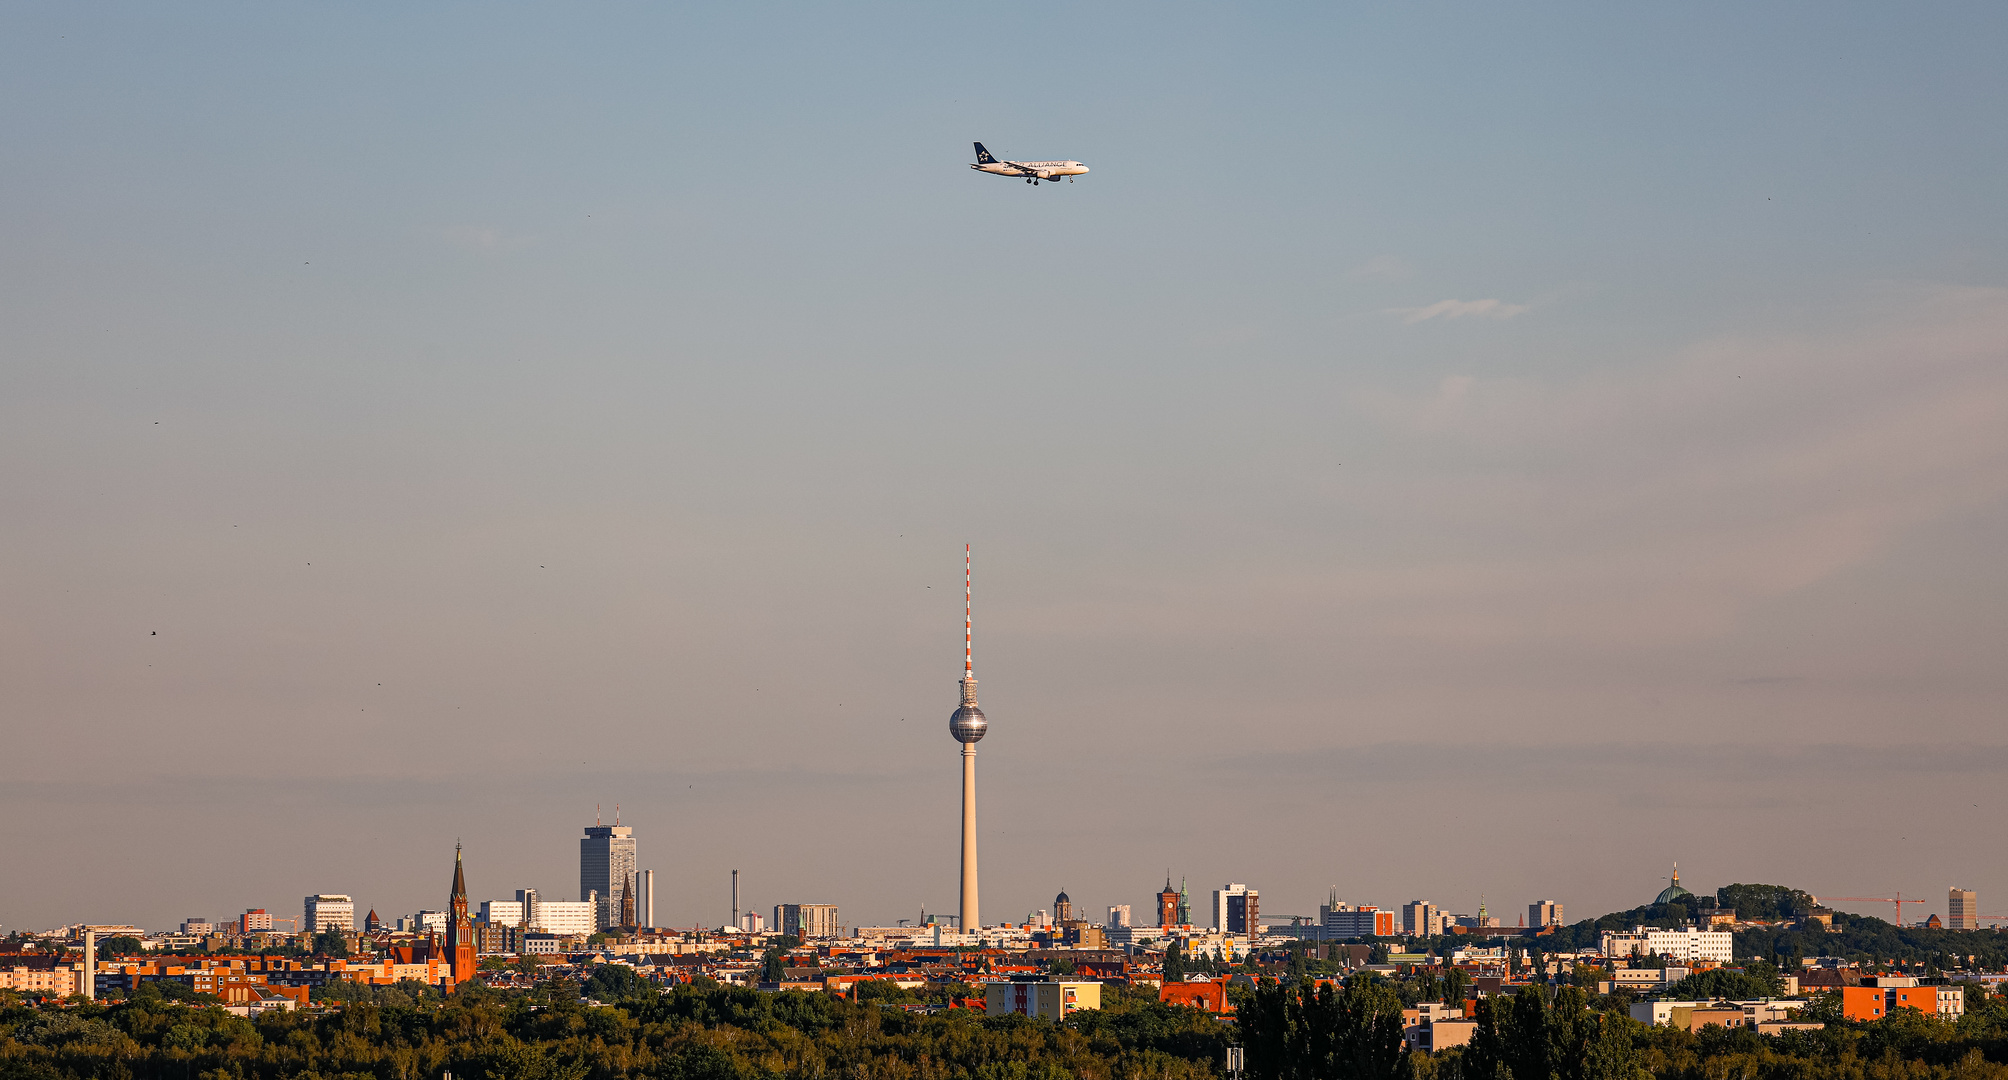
(1032, 171)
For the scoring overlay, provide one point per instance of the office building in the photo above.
(1341, 921)
(196, 924)
(644, 904)
(1236, 909)
(966, 725)
(606, 865)
(752, 922)
(327, 911)
(502, 912)
(1119, 915)
(1420, 918)
(1544, 913)
(569, 917)
(807, 920)
(255, 921)
(1962, 909)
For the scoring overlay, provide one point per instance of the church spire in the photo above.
(458, 902)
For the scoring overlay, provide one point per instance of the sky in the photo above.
(1467, 452)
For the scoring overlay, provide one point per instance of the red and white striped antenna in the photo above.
(968, 618)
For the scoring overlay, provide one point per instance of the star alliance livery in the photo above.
(1032, 171)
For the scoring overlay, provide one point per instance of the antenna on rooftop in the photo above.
(596, 814)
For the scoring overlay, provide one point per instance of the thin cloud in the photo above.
(1457, 309)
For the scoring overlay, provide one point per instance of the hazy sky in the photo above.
(1445, 451)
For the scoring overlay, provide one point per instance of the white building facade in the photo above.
(329, 911)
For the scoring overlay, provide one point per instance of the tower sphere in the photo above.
(968, 724)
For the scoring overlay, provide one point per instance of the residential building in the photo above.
(1236, 908)
(1420, 918)
(196, 924)
(1052, 1000)
(807, 920)
(536, 943)
(1962, 909)
(328, 911)
(1685, 945)
(606, 864)
(752, 922)
(257, 921)
(1544, 913)
(1119, 915)
(502, 912)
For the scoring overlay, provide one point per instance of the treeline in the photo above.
(689, 1033)
(1290, 1031)
(1302, 1032)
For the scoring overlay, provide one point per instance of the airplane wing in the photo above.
(1020, 166)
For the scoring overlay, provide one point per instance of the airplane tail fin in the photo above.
(983, 156)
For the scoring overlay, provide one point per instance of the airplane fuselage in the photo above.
(1032, 170)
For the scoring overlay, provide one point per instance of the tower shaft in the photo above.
(970, 920)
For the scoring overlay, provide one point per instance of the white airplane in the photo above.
(1032, 171)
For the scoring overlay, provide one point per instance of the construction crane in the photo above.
(1898, 900)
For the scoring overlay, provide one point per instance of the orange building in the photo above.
(1209, 996)
(1873, 1002)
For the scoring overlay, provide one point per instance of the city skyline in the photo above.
(420, 424)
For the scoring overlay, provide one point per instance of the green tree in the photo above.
(1174, 963)
(1455, 982)
(1298, 1032)
(331, 943)
(614, 982)
(772, 968)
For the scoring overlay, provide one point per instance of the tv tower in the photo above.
(968, 726)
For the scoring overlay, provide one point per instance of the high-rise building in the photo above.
(254, 921)
(1235, 909)
(967, 725)
(606, 864)
(645, 899)
(1345, 921)
(1420, 918)
(752, 923)
(807, 920)
(1119, 915)
(1544, 913)
(1962, 909)
(327, 911)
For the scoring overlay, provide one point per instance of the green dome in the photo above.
(1673, 893)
